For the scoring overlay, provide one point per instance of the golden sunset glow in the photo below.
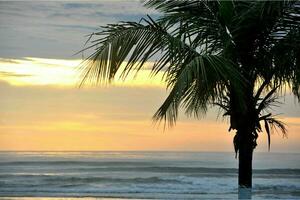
(43, 109)
(63, 73)
(43, 106)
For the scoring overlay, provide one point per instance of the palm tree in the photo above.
(238, 55)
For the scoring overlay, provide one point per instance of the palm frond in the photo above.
(268, 101)
(275, 123)
(169, 6)
(271, 125)
(128, 40)
(268, 133)
(195, 22)
(197, 84)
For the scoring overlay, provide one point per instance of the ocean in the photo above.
(143, 175)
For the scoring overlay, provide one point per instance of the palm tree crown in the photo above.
(234, 54)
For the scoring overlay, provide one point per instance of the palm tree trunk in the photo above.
(243, 119)
(245, 162)
(245, 166)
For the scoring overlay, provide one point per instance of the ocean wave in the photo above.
(207, 188)
(62, 180)
(170, 185)
(65, 179)
(136, 166)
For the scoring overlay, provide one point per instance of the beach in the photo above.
(143, 175)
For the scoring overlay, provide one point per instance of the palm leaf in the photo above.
(271, 125)
(268, 133)
(133, 41)
(197, 84)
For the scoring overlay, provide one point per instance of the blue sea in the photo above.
(143, 175)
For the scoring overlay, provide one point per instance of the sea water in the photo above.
(144, 175)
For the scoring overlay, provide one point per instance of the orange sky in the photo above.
(41, 109)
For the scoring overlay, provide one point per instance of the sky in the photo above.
(42, 107)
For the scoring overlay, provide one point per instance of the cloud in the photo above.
(65, 73)
(57, 29)
(5, 60)
(12, 74)
(80, 5)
